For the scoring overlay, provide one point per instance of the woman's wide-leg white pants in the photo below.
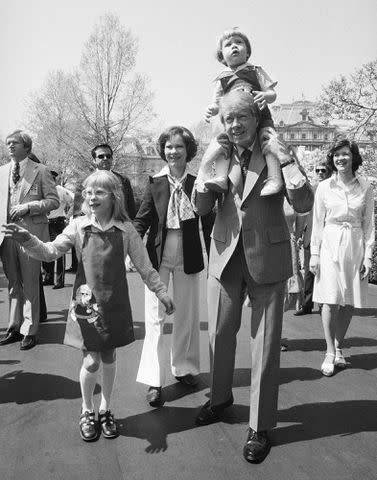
(188, 297)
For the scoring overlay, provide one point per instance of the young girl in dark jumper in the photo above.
(99, 318)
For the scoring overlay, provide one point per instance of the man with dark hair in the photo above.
(305, 223)
(27, 195)
(102, 156)
(250, 253)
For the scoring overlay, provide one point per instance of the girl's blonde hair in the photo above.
(108, 181)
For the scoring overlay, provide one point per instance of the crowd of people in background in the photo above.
(245, 226)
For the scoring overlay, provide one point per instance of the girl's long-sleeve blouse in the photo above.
(354, 207)
(73, 236)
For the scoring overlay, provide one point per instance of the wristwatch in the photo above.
(288, 162)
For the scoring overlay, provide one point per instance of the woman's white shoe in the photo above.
(340, 361)
(327, 367)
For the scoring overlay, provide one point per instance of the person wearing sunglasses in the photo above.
(322, 172)
(102, 159)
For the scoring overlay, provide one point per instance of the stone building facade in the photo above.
(296, 124)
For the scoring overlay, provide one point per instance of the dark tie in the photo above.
(16, 172)
(244, 162)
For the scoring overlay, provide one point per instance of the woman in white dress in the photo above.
(341, 247)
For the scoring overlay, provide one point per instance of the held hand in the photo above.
(168, 304)
(365, 268)
(211, 111)
(314, 264)
(17, 233)
(260, 99)
(18, 211)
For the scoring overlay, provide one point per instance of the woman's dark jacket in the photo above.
(152, 214)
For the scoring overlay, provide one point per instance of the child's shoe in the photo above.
(217, 184)
(273, 185)
(108, 425)
(88, 427)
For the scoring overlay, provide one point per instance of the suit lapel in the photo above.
(256, 165)
(4, 194)
(161, 194)
(30, 172)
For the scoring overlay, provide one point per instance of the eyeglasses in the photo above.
(104, 155)
(320, 170)
(97, 193)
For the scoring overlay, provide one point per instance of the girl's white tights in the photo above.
(89, 375)
(88, 382)
(108, 378)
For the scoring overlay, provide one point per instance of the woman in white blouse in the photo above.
(341, 246)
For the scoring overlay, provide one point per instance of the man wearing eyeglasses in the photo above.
(321, 173)
(102, 156)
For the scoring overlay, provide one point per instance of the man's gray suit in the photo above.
(37, 189)
(250, 251)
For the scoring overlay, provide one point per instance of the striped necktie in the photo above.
(16, 172)
(244, 162)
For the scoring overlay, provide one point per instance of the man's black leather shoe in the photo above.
(188, 380)
(28, 342)
(208, 414)
(303, 311)
(11, 336)
(154, 396)
(257, 446)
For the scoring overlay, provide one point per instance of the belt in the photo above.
(344, 227)
(344, 224)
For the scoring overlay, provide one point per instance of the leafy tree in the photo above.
(4, 158)
(111, 102)
(102, 101)
(60, 138)
(353, 98)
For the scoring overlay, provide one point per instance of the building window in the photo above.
(315, 136)
(292, 136)
(326, 137)
(303, 136)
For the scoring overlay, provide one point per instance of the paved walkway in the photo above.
(327, 427)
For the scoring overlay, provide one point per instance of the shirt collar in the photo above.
(166, 171)
(240, 150)
(228, 70)
(21, 162)
(92, 221)
(358, 178)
